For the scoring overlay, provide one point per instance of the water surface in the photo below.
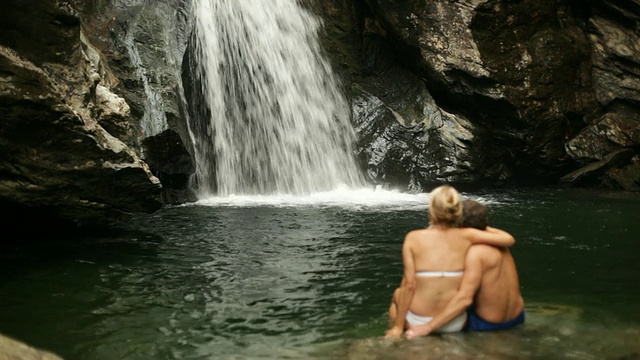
(311, 278)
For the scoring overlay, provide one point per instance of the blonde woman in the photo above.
(433, 260)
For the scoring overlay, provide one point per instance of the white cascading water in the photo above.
(279, 123)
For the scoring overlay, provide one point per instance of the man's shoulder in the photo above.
(481, 248)
(487, 253)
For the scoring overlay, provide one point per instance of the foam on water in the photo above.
(375, 198)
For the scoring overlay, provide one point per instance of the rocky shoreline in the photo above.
(11, 349)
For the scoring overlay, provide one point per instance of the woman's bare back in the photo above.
(438, 257)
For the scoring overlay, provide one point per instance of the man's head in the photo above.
(474, 215)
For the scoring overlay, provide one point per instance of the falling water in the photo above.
(278, 123)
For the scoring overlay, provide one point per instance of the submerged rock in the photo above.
(11, 349)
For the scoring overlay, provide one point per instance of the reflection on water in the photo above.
(313, 279)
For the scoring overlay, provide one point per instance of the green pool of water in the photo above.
(313, 281)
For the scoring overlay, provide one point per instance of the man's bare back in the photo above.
(498, 298)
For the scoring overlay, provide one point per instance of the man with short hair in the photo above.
(490, 289)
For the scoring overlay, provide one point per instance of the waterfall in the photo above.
(278, 123)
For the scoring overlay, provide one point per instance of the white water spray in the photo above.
(279, 123)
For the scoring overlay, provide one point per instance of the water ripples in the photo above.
(263, 281)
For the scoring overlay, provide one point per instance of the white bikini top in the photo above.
(439, 273)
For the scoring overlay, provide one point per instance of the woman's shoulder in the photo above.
(419, 234)
(418, 231)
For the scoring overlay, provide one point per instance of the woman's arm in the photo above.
(490, 236)
(407, 289)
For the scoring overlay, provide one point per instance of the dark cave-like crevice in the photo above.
(458, 92)
(616, 11)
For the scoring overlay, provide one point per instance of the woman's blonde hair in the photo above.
(444, 206)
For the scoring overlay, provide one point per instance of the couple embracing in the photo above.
(458, 273)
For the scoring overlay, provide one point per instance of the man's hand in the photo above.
(393, 333)
(419, 330)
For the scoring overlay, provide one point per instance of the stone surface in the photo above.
(11, 349)
(519, 84)
(56, 159)
(610, 132)
(465, 92)
(172, 164)
(591, 173)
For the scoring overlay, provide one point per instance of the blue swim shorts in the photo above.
(476, 323)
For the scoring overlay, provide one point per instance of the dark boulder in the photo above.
(521, 81)
(55, 157)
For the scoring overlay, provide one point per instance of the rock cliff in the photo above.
(58, 161)
(491, 92)
(470, 92)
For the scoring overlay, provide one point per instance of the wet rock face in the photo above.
(93, 97)
(610, 132)
(172, 164)
(465, 92)
(142, 44)
(616, 50)
(56, 160)
(498, 64)
(41, 32)
(519, 84)
(539, 58)
(405, 139)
